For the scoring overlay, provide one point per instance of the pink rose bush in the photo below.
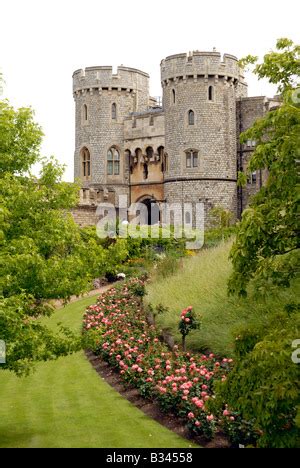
(187, 323)
(182, 383)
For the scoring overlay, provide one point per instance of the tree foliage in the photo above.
(20, 139)
(222, 218)
(267, 244)
(43, 253)
(264, 384)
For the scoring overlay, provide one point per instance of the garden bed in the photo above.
(151, 408)
(178, 385)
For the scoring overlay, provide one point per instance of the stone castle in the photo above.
(184, 149)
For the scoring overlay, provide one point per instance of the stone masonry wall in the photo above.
(213, 134)
(210, 193)
(140, 123)
(85, 215)
(99, 89)
(248, 111)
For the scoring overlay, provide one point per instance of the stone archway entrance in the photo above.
(153, 211)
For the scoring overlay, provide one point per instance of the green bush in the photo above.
(221, 218)
(264, 384)
(213, 237)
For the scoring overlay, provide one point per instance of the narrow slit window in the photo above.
(173, 96)
(191, 117)
(114, 111)
(85, 112)
(211, 93)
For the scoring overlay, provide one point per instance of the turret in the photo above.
(103, 100)
(199, 95)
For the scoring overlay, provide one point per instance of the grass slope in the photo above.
(201, 282)
(66, 404)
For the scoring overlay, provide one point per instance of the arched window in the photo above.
(210, 93)
(114, 111)
(151, 122)
(85, 163)
(149, 152)
(173, 96)
(138, 154)
(191, 117)
(85, 112)
(113, 162)
(191, 159)
(160, 152)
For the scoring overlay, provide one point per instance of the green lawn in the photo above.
(201, 282)
(66, 404)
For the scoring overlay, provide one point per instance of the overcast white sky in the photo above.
(43, 41)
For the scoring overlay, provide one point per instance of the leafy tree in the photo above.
(43, 253)
(263, 387)
(267, 244)
(20, 139)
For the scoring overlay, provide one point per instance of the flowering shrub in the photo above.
(238, 429)
(182, 383)
(187, 323)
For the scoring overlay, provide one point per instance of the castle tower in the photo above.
(199, 96)
(103, 100)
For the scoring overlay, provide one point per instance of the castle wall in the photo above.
(212, 87)
(142, 131)
(210, 193)
(155, 174)
(137, 127)
(141, 192)
(85, 216)
(248, 111)
(99, 89)
(186, 80)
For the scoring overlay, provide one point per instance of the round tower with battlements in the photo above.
(103, 100)
(199, 97)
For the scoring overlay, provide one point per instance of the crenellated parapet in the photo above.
(99, 79)
(197, 65)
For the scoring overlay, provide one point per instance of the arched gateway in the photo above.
(152, 214)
